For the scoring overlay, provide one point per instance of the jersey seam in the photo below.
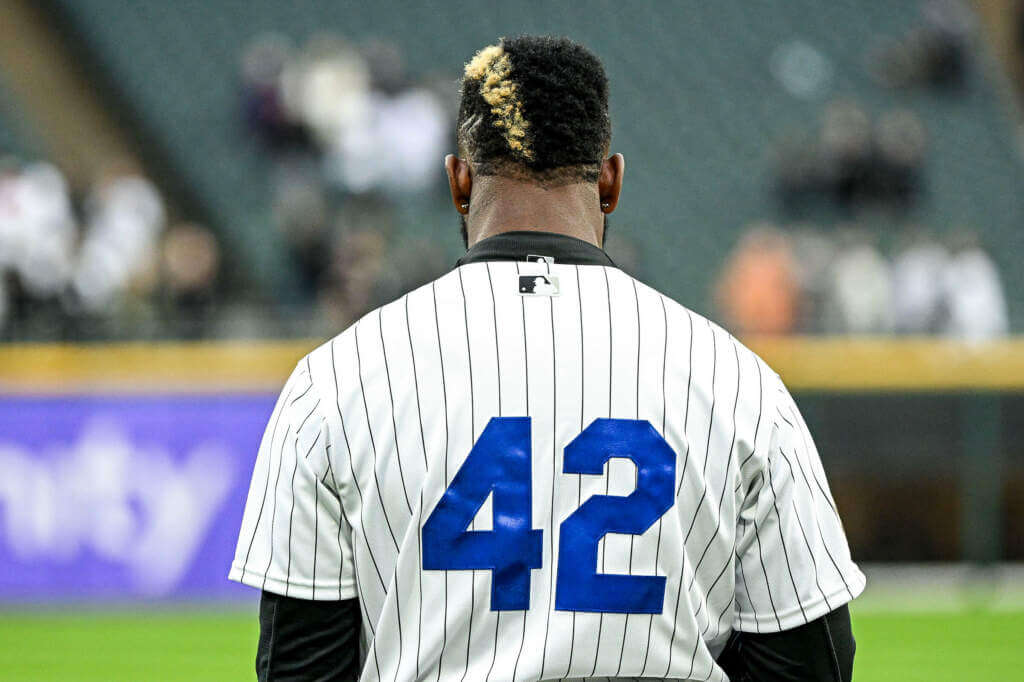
(835, 599)
(323, 395)
(254, 579)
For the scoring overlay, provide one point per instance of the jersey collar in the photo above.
(519, 244)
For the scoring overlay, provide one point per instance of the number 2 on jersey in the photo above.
(499, 463)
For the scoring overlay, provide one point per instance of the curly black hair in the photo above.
(535, 108)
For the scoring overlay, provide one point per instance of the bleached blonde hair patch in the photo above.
(492, 67)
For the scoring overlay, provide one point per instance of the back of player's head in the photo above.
(535, 108)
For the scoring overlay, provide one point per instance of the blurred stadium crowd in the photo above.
(71, 263)
(353, 136)
(350, 139)
(809, 280)
(849, 278)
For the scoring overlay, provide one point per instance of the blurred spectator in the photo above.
(917, 286)
(4, 303)
(860, 297)
(263, 64)
(358, 263)
(325, 88)
(758, 291)
(974, 293)
(846, 149)
(813, 253)
(302, 213)
(900, 142)
(125, 216)
(854, 161)
(61, 275)
(375, 137)
(411, 263)
(190, 259)
(386, 66)
(373, 128)
(396, 146)
(37, 230)
(810, 280)
(934, 54)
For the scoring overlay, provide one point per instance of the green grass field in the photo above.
(196, 646)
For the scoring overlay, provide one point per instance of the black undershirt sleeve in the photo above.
(311, 641)
(820, 651)
(318, 641)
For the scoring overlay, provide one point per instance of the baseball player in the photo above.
(537, 467)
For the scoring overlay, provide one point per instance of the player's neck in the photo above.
(505, 205)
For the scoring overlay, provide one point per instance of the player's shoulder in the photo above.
(328, 361)
(693, 327)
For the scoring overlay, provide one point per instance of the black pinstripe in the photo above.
(579, 477)
(341, 516)
(419, 514)
(391, 400)
(721, 500)
(743, 576)
(266, 486)
(444, 394)
(359, 492)
(497, 359)
(803, 534)
(782, 539)
(760, 555)
(291, 513)
(632, 538)
(273, 512)
(664, 413)
(472, 439)
(373, 445)
(607, 482)
(803, 474)
(554, 479)
(526, 369)
(355, 479)
(753, 449)
(369, 430)
(817, 523)
(686, 460)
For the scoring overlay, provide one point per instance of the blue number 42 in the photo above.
(499, 463)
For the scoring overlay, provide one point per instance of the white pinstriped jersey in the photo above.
(372, 428)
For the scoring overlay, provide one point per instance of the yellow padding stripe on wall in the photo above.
(887, 364)
(149, 367)
(805, 363)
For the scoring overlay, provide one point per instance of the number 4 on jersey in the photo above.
(499, 463)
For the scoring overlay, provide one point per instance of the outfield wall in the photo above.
(123, 468)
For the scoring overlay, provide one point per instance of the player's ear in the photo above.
(609, 183)
(460, 182)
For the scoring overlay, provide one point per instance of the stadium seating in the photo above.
(692, 185)
(17, 138)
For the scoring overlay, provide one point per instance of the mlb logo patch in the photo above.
(538, 285)
(541, 259)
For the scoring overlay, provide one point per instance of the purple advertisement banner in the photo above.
(124, 498)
